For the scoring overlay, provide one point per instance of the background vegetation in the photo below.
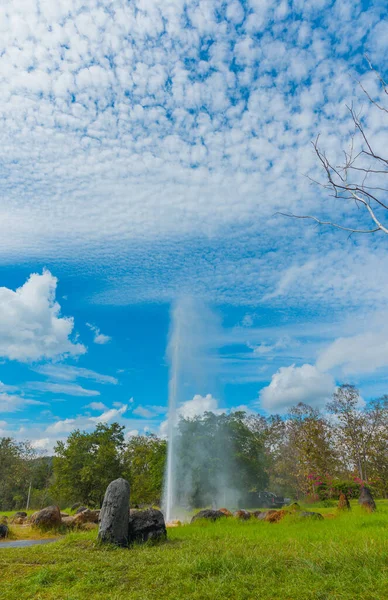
(306, 454)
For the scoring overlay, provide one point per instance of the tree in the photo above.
(361, 431)
(360, 178)
(302, 452)
(377, 444)
(15, 473)
(86, 463)
(144, 459)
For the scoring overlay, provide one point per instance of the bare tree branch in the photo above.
(359, 178)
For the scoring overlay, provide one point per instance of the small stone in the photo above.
(294, 507)
(68, 521)
(80, 509)
(275, 516)
(75, 506)
(243, 515)
(146, 525)
(262, 516)
(210, 514)
(310, 515)
(226, 512)
(87, 516)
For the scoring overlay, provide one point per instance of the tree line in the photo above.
(306, 453)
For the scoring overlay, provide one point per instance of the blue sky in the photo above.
(146, 147)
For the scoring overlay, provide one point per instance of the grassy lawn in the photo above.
(342, 557)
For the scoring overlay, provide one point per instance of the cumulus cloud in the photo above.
(99, 338)
(31, 327)
(290, 385)
(198, 406)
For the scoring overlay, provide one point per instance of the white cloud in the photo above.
(41, 444)
(97, 406)
(132, 433)
(149, 411)
(71, 373)
(69, 389)
(15, 402)
(64, 426)
(99, 338)
(362, 353)
(143, 412)
(290, 385)
(110, 415)
(31, 327)
(153, 150)
(197, 406)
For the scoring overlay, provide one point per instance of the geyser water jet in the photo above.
(193, 330)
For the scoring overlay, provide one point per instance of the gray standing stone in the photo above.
(146, 525)
(114, 516)
(366, 500)
(3, 531)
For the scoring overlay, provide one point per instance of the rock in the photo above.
(75, 506)
(274, 516)
(226, 512)
(174, 523)
(80, 509)
(3, 531)
(19, 518)
(114, 516)
(47, 518)
(294, 507)
(211, 515)
(343, 502)
(146, 525)
(256, 513)
(68, 521)
(366, 500)
(310, 515)
(243, 515)
(262, 516)
(87, 516)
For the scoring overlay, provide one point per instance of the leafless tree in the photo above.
(360, 177)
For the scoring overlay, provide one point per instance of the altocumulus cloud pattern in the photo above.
(174, 131)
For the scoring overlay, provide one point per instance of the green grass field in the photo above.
(342, 557)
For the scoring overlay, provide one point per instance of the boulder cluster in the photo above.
(270, 516)
(123, 527)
